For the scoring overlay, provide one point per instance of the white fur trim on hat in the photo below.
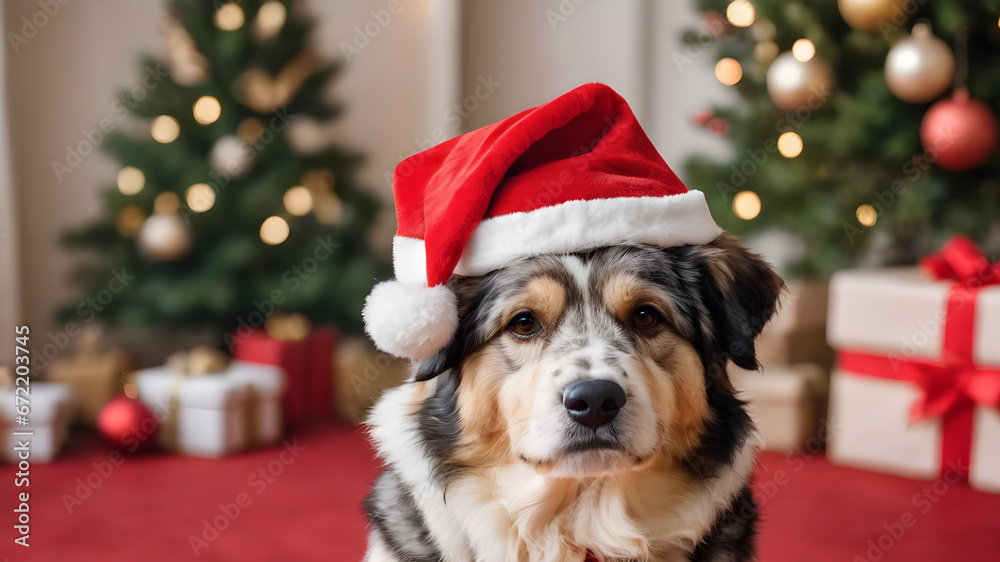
(574, 226)
(411, 320)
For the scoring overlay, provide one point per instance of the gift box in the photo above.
(786, 403)
(362, 374)
(917, 384)
(307, 361)
(93, 375)
(797, 331)
(214, 414)
(48, 422)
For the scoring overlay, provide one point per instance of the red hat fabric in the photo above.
(571, 175)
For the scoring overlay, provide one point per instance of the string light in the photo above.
(298, 200)
(207, 110)
(866, 215)
(274, 231)
(728, 71)
(165, 129)
(740, 13)
(229, 17)
(131, 180)
(746, 205)
(803, 50)
(200, 197)
(269, 21)
(166, 203)
(790, 144)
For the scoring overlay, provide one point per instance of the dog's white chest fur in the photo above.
(512, 513)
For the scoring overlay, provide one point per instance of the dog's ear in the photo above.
(467, 289)
(741, 292)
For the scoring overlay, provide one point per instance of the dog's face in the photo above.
(593, 364)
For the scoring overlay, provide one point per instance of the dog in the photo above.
(582, 411)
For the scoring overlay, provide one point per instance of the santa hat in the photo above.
(571, 175)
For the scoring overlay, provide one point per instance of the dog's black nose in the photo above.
(593, 402)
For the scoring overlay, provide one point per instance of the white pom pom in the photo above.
(411, 320)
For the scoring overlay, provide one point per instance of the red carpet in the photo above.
(149, 508)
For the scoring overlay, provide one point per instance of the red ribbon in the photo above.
(952, 386)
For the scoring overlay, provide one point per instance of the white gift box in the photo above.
(785, 403)
(51, 408)
(900, 314)
(215, 415)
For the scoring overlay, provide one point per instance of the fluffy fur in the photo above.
(483, 462)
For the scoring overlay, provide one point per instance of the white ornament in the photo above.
(232, 156)
(920, 67)
(794, 84)
(164, 237)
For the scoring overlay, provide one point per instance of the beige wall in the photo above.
(397, 93)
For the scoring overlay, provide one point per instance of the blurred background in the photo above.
(195, 198)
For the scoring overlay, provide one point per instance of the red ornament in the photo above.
(960, 132)
(702, 117)
(127, 424)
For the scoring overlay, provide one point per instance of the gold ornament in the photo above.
(920, 67)
(793, 84)
(260, 92)
(866, 15)
(187, 66)
(250, 130)
(130, 221)
(166, 203)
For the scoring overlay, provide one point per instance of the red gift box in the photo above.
(917, 388)
(308, 365)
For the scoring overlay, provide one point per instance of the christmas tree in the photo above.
(865, 128)
(230, 204)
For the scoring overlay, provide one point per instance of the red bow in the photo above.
(952, 386)
(961, 261)
(956, 379)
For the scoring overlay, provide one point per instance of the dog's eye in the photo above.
(646, 317)
(525, 325)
